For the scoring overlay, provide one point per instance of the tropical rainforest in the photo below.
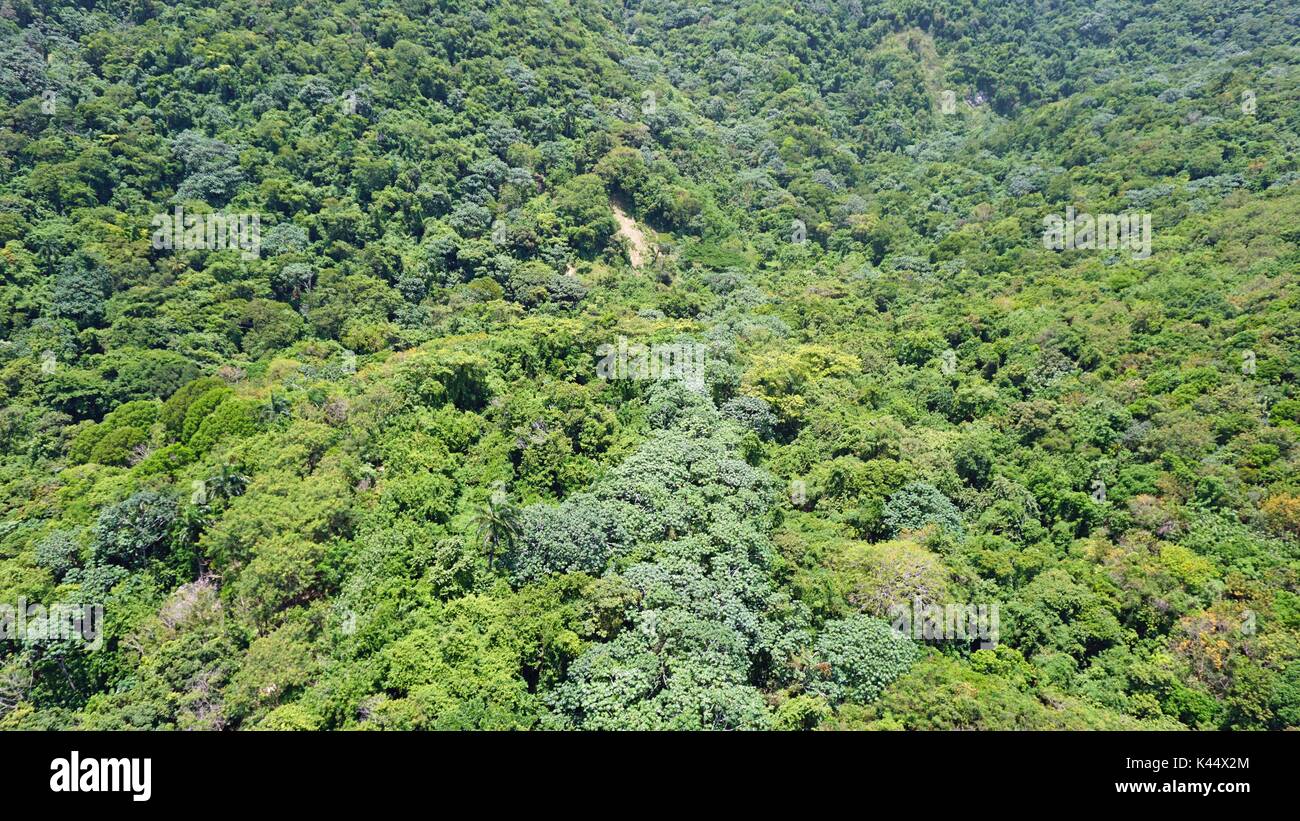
(361, 470)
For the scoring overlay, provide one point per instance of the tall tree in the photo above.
(496, 524)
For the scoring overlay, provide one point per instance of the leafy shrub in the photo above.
(752, 412)
(580, 535)
(197, 410)
(857, 658)
(917, 505)
(59, 552)
(233, 417)
(133, 531)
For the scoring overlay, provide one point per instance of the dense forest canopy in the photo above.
(573, 364)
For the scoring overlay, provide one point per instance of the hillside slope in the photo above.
(328, 379)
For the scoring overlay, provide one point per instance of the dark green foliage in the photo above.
(81, 283)
(135, 530)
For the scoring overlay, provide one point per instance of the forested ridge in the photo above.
(380, 461)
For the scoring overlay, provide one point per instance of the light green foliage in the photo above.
(199, 410)
(460, 672)
(803, 712)
(231, 418)
(940, 693)
(114, 441)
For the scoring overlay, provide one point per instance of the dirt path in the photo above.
(637, 247)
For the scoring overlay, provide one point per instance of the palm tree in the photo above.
(496, 524)
(228, 482)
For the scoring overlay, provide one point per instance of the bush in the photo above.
(752, 412)
(133, 531)
(113, 441)
(857, 658)
(919, 504)
(59, 552)
(198, 410)
(577, 536)
(234, 417)
(801, 713)
(165, 460)
(176, 407)
(118, 446)
(1282, 512)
